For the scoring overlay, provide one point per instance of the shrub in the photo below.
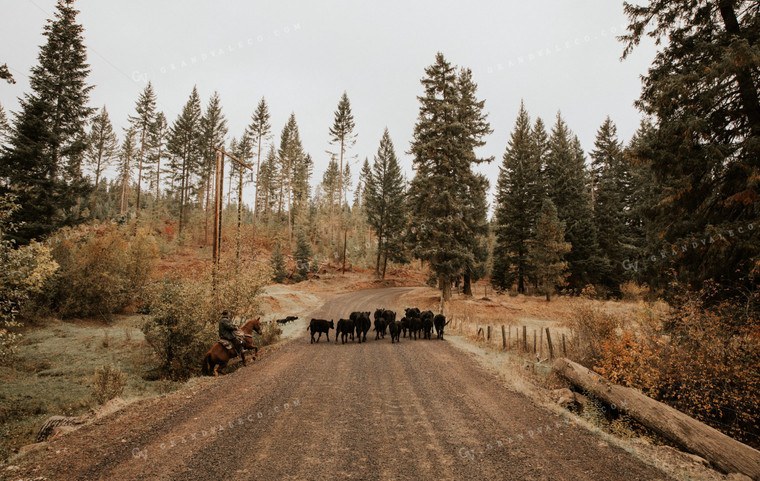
(23, 272)
(701, 359)
(108, 383)
(591, 328)
(632, 291)
(270, 333)
(181, 326)
(102, 269)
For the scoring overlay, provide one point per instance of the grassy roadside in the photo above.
(53, 374)
(56, 361)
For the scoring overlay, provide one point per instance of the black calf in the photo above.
(320, 326)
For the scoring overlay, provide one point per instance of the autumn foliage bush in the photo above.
(701, 359)
(102, 269)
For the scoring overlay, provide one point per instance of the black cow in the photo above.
(344, 329)
(286, 320)
(412, 312)
(320, 326)
(440, 322)
(405, 326)
(362, 325)
(395, 330)
(415, 325)
(380, 326)
(427, 327)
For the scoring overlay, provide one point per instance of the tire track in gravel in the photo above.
(410, 411)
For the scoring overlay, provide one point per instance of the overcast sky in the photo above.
(553, 54)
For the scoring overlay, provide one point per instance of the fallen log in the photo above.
(722, 451)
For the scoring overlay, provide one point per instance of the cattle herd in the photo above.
(417, 324)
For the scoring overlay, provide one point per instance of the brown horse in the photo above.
(218, 356)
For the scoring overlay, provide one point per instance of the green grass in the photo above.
(53, 374)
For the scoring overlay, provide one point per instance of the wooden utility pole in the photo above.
(219, 197)
(217, 213)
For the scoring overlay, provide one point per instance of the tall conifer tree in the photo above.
(519, 193)
(42, 164)
(447, 131)
(384, 195)
(145, 115)
(568, 186)
(102, 144)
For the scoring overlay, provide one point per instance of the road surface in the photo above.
(418, 410)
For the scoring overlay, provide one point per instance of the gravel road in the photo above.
(418, 410)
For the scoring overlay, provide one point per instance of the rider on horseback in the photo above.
(229, 331)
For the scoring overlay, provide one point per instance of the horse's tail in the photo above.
(206, 369)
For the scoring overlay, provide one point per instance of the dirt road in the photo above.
(416, 410)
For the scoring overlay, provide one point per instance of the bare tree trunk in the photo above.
(385, 263)
(467, 285)
(139, 169)
(256, 189)
(444, 284)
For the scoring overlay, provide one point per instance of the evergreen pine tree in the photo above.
(159, 131)
(361, 186)
(258, 130)
(519, 193)
(278, 265)
(145, 114)
(384, 203)
(127, 155)
(266, 194)
(5, 127)
(548, 249)
(184, 142)
(702, 94)
(42, 164)
(302, 256)
(568, 186)
(295, 169)
(448, 128)
(102, 144)
(611, 187)
(213, 132)
(342, 134)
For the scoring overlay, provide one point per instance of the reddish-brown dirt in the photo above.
(416, 410)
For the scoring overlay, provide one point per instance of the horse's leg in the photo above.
(242, 355)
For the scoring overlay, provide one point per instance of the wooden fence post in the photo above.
(541, 343)
(534, 341)
(549, 343)
(525, 339)
(564, 347)
(503, 338)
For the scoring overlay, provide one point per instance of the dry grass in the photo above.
(53, 374)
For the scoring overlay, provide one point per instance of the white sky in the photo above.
(554, 54)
